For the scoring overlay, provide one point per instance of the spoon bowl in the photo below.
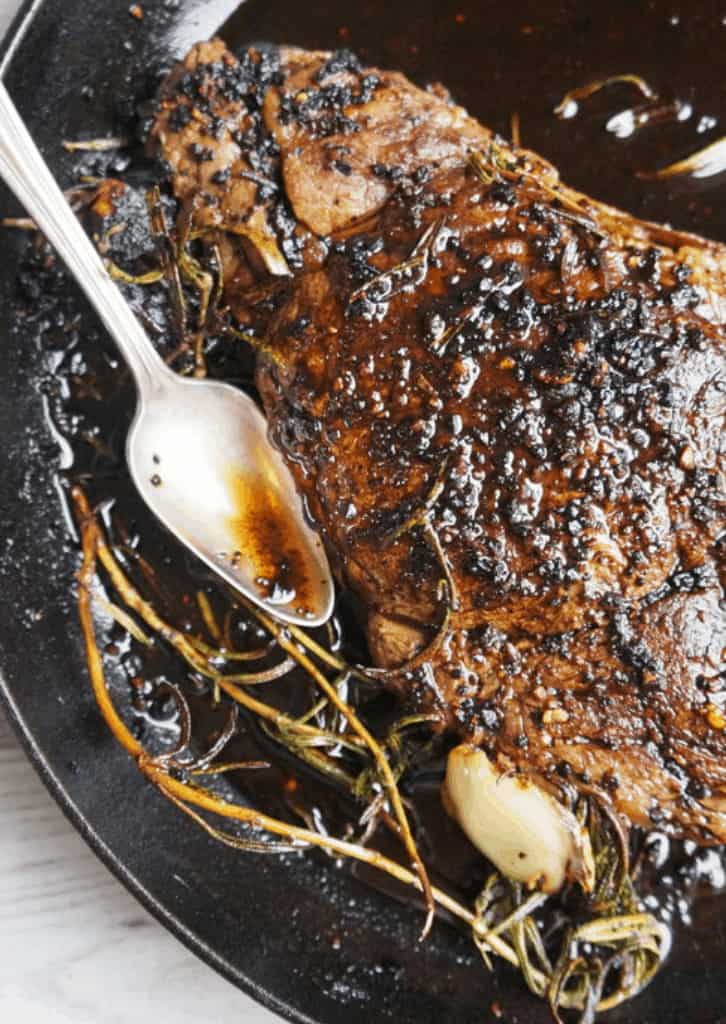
(199, 455)
(197, 450)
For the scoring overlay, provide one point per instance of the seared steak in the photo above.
(504, 404)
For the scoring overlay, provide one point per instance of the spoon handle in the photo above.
(28, 176)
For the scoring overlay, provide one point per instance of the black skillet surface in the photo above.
(299, 935)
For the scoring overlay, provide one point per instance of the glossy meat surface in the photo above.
(504, 404)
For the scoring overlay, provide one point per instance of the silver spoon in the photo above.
(197, 450)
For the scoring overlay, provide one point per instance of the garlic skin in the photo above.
(519, 826)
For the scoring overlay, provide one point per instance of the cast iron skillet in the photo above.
(302, 937)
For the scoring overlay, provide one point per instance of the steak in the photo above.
(504, 405)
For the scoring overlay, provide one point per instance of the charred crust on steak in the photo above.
(451, 320)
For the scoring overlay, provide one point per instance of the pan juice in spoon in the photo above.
(283, 567)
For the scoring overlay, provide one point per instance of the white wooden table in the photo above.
(75, 947)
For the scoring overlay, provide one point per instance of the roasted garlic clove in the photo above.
(518, 825)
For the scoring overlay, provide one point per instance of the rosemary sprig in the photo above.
(410, 273)
(95, 145)
(382, 764)
(607, 958)
(704, 163)
(156, 769)
(233, 684)
(119, 274)
(569, 104)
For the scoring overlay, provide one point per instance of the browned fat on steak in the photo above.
(504, 405)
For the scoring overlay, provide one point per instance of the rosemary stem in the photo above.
(384, 768)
